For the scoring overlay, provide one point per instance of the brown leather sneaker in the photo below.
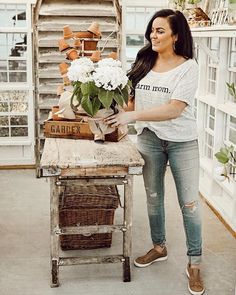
(152, 256)
(195, 284)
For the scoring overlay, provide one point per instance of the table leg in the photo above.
(127, 236)
(54, 222)
(126, 270)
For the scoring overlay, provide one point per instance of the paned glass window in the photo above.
(130, 18)
(212, 80)
(140, 18)
(230, 140)
(209, 123)
(13, 49)
(196, 50)
(13, 114)
(131, 53)
(14, 103)
(230, 134)
(13, 15)
(232, 54)
(213, 44)
(232, 79)
(231, 68)
(134, 40)
(137, 18)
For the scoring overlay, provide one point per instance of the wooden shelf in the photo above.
(214, 31)
(228, 108)
(208, 99)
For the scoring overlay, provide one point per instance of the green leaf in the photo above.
(79, 95)
(87, 105)
(96, 103)
(93, 89)
(224, 151)
(125, 93)
(119, 98)
(231, 89)
(85, 88)
(231, 92)
(89, 88)
(222, 157)
(105, 97)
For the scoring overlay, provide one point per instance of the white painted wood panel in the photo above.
(51, 16)
(220, 195)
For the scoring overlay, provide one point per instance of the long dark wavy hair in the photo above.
(146, 57)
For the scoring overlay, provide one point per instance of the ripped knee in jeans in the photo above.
(190, 207)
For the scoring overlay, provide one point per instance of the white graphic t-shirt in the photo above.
(156, 89)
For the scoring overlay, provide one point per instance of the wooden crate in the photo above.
(75, 129)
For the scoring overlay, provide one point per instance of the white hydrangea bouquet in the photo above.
(98, 86)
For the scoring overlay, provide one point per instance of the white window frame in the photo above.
(231, 69)
(26, 86)
(208, 131)
(127, 31)
(212, 66)
(229, 143)
(229, 126)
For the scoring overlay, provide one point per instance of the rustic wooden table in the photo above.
(84, 162)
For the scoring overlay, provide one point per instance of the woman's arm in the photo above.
(169, 111)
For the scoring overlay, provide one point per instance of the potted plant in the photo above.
(100, 89)
(193, 3)
(224, 157)
(183, 4)
(177, 4)
(226, 154)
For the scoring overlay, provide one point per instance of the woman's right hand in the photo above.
(122, 118)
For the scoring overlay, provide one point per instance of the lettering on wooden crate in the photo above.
(65, 129)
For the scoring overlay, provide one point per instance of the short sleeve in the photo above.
(187, 84)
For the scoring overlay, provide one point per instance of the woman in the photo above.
(165, 78)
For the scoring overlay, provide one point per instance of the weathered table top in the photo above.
(90, 158)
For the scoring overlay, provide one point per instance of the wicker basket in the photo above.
(88, 205)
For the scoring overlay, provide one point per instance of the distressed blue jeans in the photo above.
(183, 159)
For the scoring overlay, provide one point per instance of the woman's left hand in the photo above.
(122, 118)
